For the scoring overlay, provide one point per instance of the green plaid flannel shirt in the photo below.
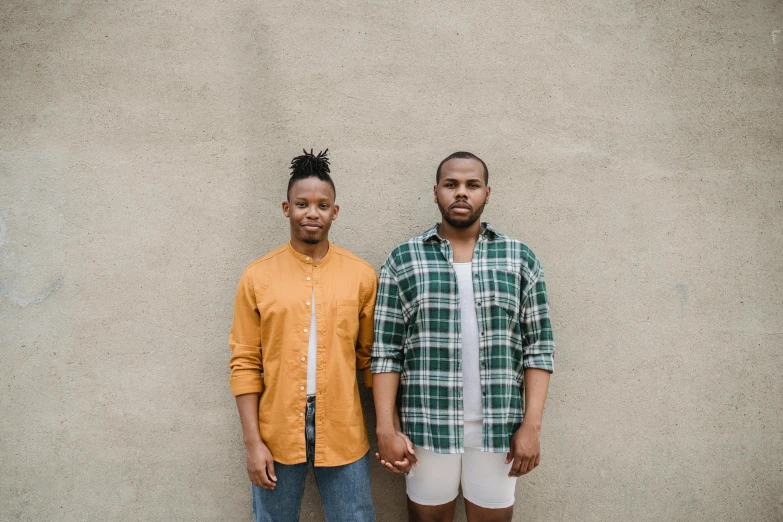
(417, 334)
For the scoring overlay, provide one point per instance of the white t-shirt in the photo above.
(311, 351)
(471, 375)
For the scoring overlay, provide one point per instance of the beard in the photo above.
(462, 222)
(310, 241)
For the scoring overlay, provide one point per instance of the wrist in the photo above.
(533, 424)
(253, 442)
(385, 429)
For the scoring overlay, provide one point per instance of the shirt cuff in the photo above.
(242, 384)
(385, 365)
(367, 376)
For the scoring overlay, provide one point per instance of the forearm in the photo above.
(536, 386)
(247, 404)
(385, 397)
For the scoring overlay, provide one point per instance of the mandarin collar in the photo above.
(306, 259)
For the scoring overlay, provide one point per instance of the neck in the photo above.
(460, 235)
(316, 251)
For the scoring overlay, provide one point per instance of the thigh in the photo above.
(435, 481)
(345, 491)
(282, 503)
(485, 480)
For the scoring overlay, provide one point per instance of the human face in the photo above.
(461, 193)
(310, 209)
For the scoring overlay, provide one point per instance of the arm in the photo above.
(387, 363)
(395, 449)
(365, 336)
(538, 360)
(246, 381)
(260, 464)
(525, 449)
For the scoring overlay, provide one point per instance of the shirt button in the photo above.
(303, 358)
(482, 333)
(301, 387)
(305, 330)
(308, 303)
(308, 278)
(307, 259)
(301, 414)
(478, 303)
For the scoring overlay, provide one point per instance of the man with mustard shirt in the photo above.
(303, 325)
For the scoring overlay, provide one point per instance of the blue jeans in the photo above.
(345, 490)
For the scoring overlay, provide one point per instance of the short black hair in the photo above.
(309, 165)
(463, 155)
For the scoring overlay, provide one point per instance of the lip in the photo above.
(311, 226)
(461, 208)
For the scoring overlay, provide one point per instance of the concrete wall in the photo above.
(635, 145)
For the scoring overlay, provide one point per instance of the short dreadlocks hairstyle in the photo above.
(309, 165)
(463, 155)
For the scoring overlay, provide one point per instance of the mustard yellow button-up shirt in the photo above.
(269, 341)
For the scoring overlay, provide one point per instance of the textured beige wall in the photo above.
(635, 145)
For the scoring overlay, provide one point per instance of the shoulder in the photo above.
(406, 251)
(265, 264)
(353, 262)
(517, 252)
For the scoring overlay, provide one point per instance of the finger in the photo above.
(270, 469)
(408, 443)
(404, 465)
(523, 466)
(509, 457)
(391, 468)
(410, 457)
(263, 480)
(378, 457)
(514, 471)
(532, 464)
(538, 461)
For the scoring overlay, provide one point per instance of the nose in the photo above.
(312, 211)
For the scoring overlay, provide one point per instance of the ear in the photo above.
(435, 192)
(285, 208)
(336, 211)
(489, 189)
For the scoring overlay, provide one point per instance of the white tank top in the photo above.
(471, 376)
(311, 351)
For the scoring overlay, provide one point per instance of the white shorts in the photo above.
(484, 476)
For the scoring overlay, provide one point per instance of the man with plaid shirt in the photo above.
(462, 334)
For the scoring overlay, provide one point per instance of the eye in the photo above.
(324, 206)
(301, 205)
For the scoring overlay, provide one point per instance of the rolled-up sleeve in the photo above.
(538, 341)
(245, 341)
(387, 351)
(365, 338)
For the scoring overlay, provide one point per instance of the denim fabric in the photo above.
(345, 490)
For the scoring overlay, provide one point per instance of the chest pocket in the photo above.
(347, 314)
(507, 291)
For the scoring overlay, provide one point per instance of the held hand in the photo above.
(525, 450)
(261, 466)
(396, 452)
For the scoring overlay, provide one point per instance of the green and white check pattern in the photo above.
(417, 334)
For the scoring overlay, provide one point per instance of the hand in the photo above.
(261, 466)
(525, 450)
(396, 452)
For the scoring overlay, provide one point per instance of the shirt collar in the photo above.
(486, 231)
(304, 258)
